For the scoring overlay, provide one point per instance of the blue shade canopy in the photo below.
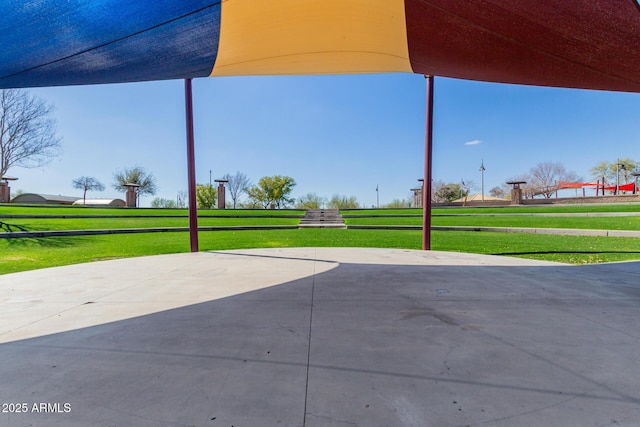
(55, 43)
(592, 44)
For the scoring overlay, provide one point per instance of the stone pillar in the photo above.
(516, 192)
(5, 192)
(516, 196)
(221, 196)
(131, 197)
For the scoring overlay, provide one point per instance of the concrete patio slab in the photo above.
(321, 337)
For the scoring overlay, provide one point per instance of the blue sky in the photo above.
(332, 134)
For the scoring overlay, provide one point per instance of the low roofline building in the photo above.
(101, 202)
(47, 199)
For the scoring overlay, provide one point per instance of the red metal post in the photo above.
(191, 168)
(427, 184)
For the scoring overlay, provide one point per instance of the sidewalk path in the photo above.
(321, 337)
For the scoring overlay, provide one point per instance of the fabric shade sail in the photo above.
(593, 44)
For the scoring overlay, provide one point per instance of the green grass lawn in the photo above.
(144, 218)
(133, 222)
(601, 223)
(83, 210)
(136, 218)
(27, 254)
(503, 210)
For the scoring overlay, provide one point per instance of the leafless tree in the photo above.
(87, 183)
(546, 176)
(182, 199)
(498, 192)
(27, 131)
(468, 185)
(238, 184)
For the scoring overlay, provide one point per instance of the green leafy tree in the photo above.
(159, 202)
(310, 201)
(135, 175)
(258, 197)
(87, 183)
(250, 204)
(602, 170)
(273, 191)
(397, 203)
(449, 192)
(612, 171)
(206, 196)
(339, 201)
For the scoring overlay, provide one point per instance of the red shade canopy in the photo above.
(591, 44)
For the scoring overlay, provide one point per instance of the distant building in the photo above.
(45, 199)
(101, 202)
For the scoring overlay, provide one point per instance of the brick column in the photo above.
(5, 192)
(221, 197)
(516, 196)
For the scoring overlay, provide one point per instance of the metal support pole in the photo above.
(191, 168)
(617, 176)
(428, 145)
(482, 169)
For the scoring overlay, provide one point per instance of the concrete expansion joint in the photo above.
(333, 420)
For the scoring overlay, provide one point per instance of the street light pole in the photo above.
(618, 167)
(482, 169)
(617, 176)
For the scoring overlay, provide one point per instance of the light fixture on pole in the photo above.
(619, 166)
(482, 169)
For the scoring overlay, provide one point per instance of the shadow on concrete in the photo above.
(361, 344)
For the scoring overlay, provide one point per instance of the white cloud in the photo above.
(474, 142)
